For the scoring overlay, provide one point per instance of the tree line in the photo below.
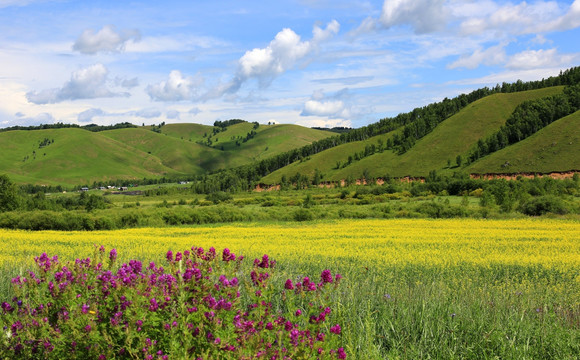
(528, 118)
(59, 125)
(416, 124)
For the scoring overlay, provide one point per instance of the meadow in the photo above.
(412, 288)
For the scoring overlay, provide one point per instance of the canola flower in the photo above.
(553, 244)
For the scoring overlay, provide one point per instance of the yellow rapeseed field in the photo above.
(380, 243)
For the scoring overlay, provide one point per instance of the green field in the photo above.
(411, 289)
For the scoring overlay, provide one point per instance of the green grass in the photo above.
(188, 131)
(554, 148)
(76, 157)
(81, 157)
(182, 156)
(454, 136)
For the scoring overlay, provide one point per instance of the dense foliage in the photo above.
(95, 309)
(299, 200)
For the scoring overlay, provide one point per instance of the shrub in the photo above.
(218, 196)
(93, 309)
(303, 215)
(544, 204)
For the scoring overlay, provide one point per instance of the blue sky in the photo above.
(309, 62)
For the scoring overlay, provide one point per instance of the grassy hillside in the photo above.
(188, 132)
(454, 136)
(75, 157)
(78, 156)
(554, 148)
(182, 156)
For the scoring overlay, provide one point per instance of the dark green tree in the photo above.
(10, 198)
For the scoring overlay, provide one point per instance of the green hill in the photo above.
(554, 148)
(74, 156)
(454, 136)
(468, 126)
(188, 132)
(182, 156)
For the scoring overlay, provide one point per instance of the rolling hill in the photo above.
(554, 148)
(510, 128)
(454, 136)
(73, 156)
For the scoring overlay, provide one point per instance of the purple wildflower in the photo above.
(113, 255)
(326, 276)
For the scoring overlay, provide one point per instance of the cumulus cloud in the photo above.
(491, 56)
(531, 59)
(282, 54)
(518, 19)
(87, 115)
(333, 107)
(108, 39)
(87, 83)
(176, 87)
(127, 83)
(570, 20)
(424, 16)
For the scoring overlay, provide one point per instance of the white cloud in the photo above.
(516, 19)
(87, 115)
(146, 113)
(127, 83)
(105, 40)
(424, 16)
(329, 108)
(332, 107)
(42, 118)
(176, 87)
(172, 114)
(87, 83)
(531, 59)
(282, 54)
(570, 20)
(194, 111)
(508, 76)
(493, 55)
(179, 43)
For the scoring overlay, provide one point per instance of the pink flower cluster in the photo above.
(198, 307)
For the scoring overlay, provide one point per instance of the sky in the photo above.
(321, 63)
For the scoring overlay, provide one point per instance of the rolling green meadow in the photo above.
(449, 232)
